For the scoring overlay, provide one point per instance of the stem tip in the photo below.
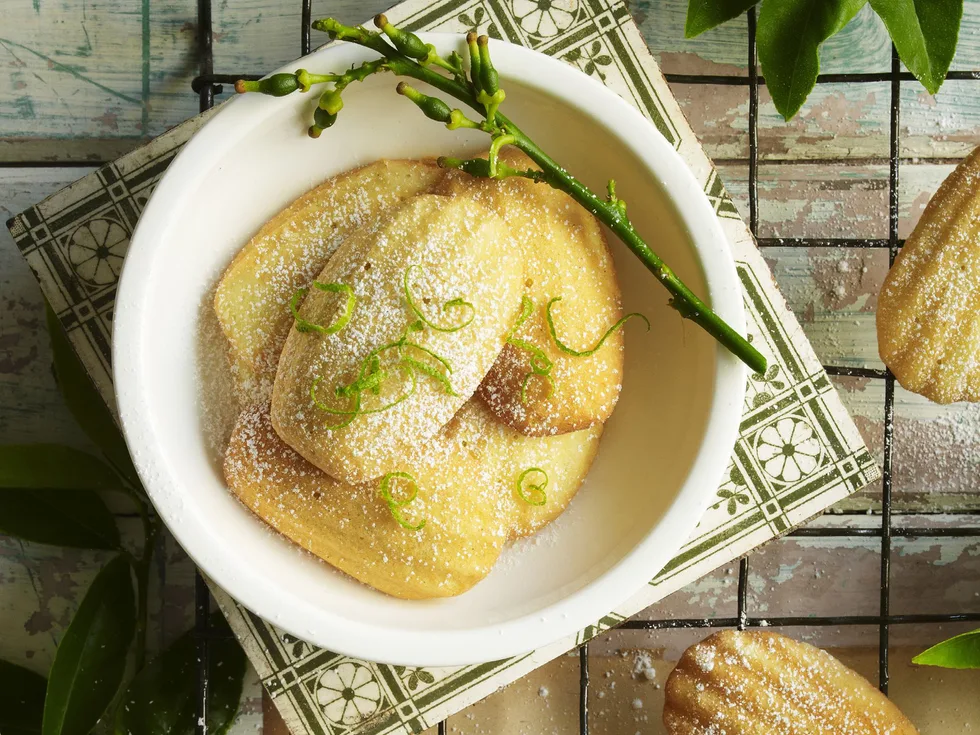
(471, 37)
(380, 20)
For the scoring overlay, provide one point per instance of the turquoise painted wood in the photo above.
(90, 79)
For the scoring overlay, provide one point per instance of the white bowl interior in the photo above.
(647, 452)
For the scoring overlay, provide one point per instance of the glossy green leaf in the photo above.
(702, 15)
(53, 466)
(75, 518)
(21, 700)
(161, 700)
(924, 33)
(91, 658)
(959, 652)
(85, 402)
(788, 37)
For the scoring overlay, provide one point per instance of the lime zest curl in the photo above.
(372, 375)
(457, 303)
(540, 496)
(395, 506)
(303, 325)
(540, 363)
(589, 352)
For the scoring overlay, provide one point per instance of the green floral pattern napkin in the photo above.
(798, 451)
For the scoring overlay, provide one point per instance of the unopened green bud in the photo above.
(433, 107)
(474, 50)
(405, 41)
(321, 121)
(331, 101)
(489, 79)
(472, 166)
(278, 85)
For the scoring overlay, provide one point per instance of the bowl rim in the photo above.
(298, 616)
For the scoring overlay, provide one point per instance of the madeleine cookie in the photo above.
(565, 256)
(929, 306)
(440, 543)
(755, 683)
(253, 295)
(426, 300)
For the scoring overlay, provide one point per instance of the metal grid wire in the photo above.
(207, 84)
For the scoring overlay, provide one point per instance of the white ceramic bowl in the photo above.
(663, 452)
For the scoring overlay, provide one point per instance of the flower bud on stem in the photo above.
(278, 85)
(433, 107)
(484, 95)
(472, 166)
(489, 79)
(321, 121)
(406, 42)
(474, 50)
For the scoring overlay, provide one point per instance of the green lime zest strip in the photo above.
(527, 306)
(395, 506)
(540, 363)
(431, 372)
(586, 353)
(529, 377)
(457, 303)
(540, 496)
(302, 325)
(355, 395)
(442, 360)
(350, 414)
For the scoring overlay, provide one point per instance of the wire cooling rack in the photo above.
(207, 84)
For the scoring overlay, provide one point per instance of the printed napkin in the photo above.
(75, 242)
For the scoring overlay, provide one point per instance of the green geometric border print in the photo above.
(587, 35)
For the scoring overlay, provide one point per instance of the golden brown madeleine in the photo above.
(543, 473)
(465, 279)
(466, 497)
(253, 295)
(566, 256)
(351, 526)
(760, 683)
(929, 307)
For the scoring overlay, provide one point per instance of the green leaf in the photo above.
(21, 700)
(75, 518)
(925, 33)
(161, 699)
(703, 15)
(90, 661)
(85, 402)
(958, 652)
(53, 466)
(788, 36)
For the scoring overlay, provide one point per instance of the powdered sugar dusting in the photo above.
(460, 250)
(736, 681)
(565, 255)
(929, 307)
(253, 295)
(465, 480)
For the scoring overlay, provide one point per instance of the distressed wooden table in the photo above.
(87, 80)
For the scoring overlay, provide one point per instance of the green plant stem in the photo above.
(685, 301)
